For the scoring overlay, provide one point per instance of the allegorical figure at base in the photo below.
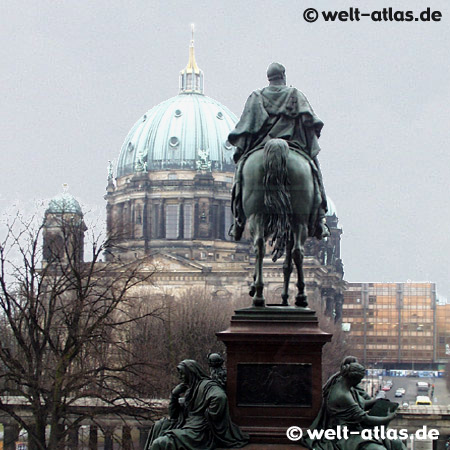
(198, 415)
(346, 404)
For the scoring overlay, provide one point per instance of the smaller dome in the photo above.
(64, 203)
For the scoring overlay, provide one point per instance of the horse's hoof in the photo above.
(259, 301)
(252, 290)
(285, 302)
(301, 301)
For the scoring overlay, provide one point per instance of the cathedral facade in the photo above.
(168, 200)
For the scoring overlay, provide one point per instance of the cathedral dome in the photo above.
(176, 134)
(64, 203)
(188, 131)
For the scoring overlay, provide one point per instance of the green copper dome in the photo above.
(188, 131)
(64, 203)
(176, 133)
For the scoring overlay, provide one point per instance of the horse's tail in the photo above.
(277, 199)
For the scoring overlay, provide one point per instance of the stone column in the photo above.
(126, 438)
(31, 444)
(10, 436)
(439, 443)
(338, 302)
(143, 435)
(423, 445)
(72, 438)
(328, 295)
(108, 432)
(64, 438)
(93, 438)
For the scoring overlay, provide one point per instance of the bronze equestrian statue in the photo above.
(278, 185)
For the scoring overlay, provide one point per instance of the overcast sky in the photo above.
(76, 75)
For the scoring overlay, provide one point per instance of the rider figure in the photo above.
(278, 111)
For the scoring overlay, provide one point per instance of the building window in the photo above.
(138, 215)
(172, 221)
(187, 223)
(188, 82)
(174, 141)
(228, 221)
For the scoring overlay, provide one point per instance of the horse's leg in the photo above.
(252, 290)
(299, 238)
(251, 227)
(257, 231)
(287, 270)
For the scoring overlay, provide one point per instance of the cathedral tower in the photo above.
(63, 230)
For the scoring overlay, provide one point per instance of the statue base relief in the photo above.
(274, 365)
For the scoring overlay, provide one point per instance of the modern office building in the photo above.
(397, 325)
(442, 332)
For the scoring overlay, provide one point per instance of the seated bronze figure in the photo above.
(344, 403)
(198, 415)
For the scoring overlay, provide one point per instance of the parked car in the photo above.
(423, 400)
(402, 390)
(398, 393)
(386, 388)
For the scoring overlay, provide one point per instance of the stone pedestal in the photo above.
(10, 436)
(274, 364)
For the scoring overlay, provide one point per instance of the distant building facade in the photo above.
(442, 332)
(168, 200)
(397, 325)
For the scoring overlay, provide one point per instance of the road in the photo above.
(441, 394)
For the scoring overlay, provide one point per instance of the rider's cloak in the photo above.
(277, 112)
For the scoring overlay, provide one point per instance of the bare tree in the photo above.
(187, 328)
(190, 321)
(337, 349)
(64, 327)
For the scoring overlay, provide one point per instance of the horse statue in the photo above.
(278, 196)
